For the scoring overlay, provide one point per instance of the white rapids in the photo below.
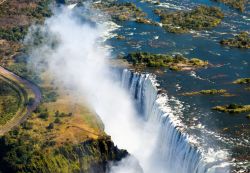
(174, 149)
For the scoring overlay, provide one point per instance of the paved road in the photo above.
(22, 115)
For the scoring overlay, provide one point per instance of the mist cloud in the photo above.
(71, 49)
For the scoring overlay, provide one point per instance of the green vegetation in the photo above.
(17, 16)
(21, 152)
(49, 95)
(13, 34)
(248, 116)
(61, 135)
(42, 10)
(21, 69)
(10, 101)
(237, 4)
(122, 11)
(242, 81)
(177, 62)
(233, 108)
(30, 101)
(57, 120)
(206, 92)
(200, 18)
(55, 140)
(240, 41)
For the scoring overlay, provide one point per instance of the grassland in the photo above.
(176, 62)
(11, 100)
(200, 18)
(77, 122)
(61, 135)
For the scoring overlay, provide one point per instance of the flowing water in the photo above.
(167, 132)
(174, 149)
(211, 131)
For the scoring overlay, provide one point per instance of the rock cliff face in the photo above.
(91, 156)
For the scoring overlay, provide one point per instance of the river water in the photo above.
(211, 129)
(190, 136)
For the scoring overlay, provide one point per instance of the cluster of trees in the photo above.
(13, 34)
(200, 18)
(241, 40)
(162, 60)
(49, 95)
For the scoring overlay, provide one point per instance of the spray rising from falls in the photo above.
(71, 50)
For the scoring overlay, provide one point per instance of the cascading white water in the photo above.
(85, 72)
(173, 150)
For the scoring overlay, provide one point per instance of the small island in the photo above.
(247, 88)
(176, 62)
(242, 81)
(233, 108)
(205, 92)
(237, 4)
(122, 11)
(200, 18)
(241, 40)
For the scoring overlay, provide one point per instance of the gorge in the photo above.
(136, 116)
(120, 93)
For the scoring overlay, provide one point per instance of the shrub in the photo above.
(31, 101)
(44, 115)
(234, 106)
(27, 125)
(57, 120)
(57, 113)
(51, 126)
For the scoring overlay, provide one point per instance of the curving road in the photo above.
(28, 87)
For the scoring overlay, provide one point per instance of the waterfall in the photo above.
(174, 149)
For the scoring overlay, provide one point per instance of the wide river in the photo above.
(230, 132)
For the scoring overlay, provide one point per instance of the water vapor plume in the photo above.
(70, 47)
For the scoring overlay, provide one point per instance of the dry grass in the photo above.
(80, 126)
(83, 124)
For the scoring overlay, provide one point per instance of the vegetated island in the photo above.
(241, 40)
(237, 4)
(205, 92)
(176, 62)
(247, 88)
(233, 108)
(122, 11)
(200, 18)
(242, 81)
